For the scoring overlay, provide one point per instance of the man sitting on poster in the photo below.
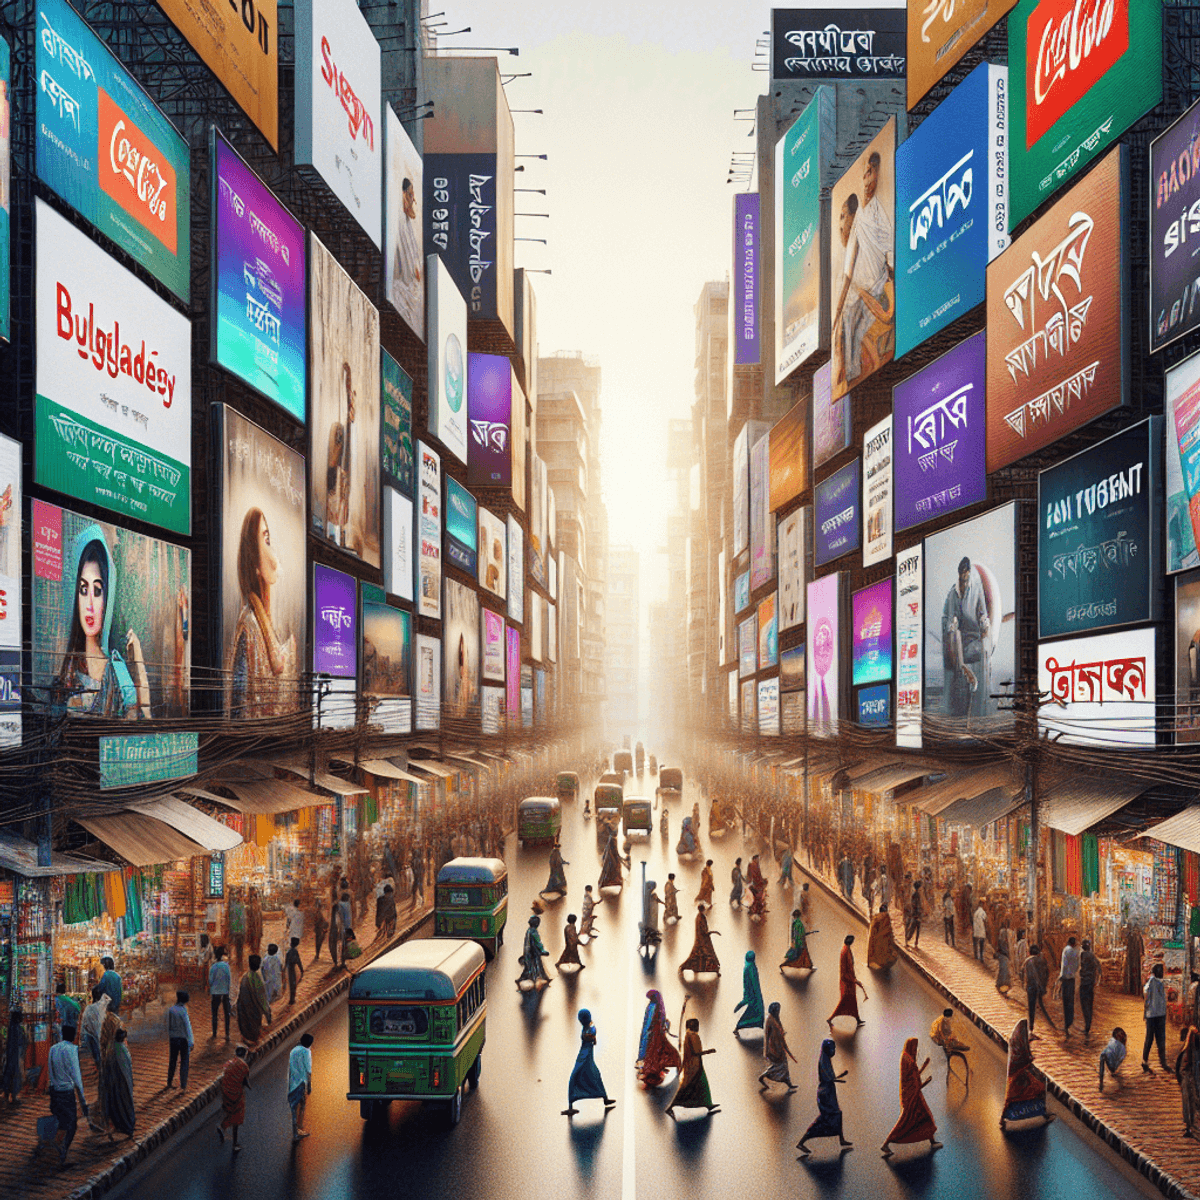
(966, 646)
(406, 275)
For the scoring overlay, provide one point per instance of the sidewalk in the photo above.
(95, 1164)
(1143, 1121)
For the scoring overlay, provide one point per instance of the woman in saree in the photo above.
(532, 970)
(758, 889)
(671, 901)
(570, 952)
(253, 1008)
(585, 1082)
(610, 866)
(703, 957)
(1025, 1092)
(752, 997)
(557, 883)
(656, 1053)
(776, 1052)
(687, 838)
(693, 1090)
(797, 953)
(829, 1111)
(234, 1083)
(1187, 1072)
(916, 1123)
(108, 1036)
(117, 1085)
(707, 884)
(881, 941)
(848, 982)
(735, 895)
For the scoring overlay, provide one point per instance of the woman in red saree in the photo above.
(233, 1096)
(916, 1122)
(849, 983)
(1025, 1093)
(656, 1054)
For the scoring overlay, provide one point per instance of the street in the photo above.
(513, 1141)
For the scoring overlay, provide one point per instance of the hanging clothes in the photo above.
(1091, 864)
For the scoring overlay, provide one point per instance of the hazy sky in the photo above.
(638, 127)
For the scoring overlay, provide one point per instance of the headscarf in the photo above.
(1019, 1053)
(585, 1017)
(825, 1062)
(83, 539)
(773, 1008)
(534, 922)
(749, 956)
(655, 1006)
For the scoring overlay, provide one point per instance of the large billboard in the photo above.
(463, 218)
(1174, 222)
(386, 662)
(951, 206)
(114, 383)
(491, 663)
(12, 608)
(940, 418)
(404, 228)
(397, 544)
(1058, 344)
(748, 706)
(970, 623)
(5, 195)
(1182, 404)
(877, 492)
(335, 623)
(748, 645)
(839, 41)
(344, 409)
(791, 669)
(493, 554)
(768, 633)
(768, 706)
(512, 672)
(743, 303)
(108, 151)
(910, 634)
(264, 600)
(789, 456)
(871, 633)
(428, 682)
(940, 32)
(338, 105)
(396, 466)
(831, 418)
(1098, 535)
(1187, 657)
(110, 620)
(516, 571)
(447, 360)
(462, 532)
(258, 283)
(1081, 72)
(837, 524)
(429, 532)
(794, 559)
(762, 519)
(490, 389)
(862, 264)
(460, 651)
(823, 654)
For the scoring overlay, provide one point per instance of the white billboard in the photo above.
(516, 572)
(910, 642)
(397, 544)
(447, 359)
(404, 226)
(493, 553)
(429, 532)
(877, 492)
(429, 681)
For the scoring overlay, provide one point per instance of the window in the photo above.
(399, 1022)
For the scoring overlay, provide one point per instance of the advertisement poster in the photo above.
(789, 456)
(849, 41)
(404, 228)
(1174, 221)
(838, 524)
(493, 645)
(791, 669)
(536, 622)
(460, 638)
(862, 271)
(338, 121)
(951, 206)
(749, 433)
(386, 662)
(429, 682)
(940, 416)
(538, 520)
(11, 607)
(801, 236)
(762, 520)
(335, 623)
(940, 32)
(108, 151)
(520, 443)
(429, 532)
(768, 633)
(875, 706)
(492, 704)
(743, 305)
(831, 418)
(822, 655)
(1081, 72)
(970, 623)
(748, 645)
(397, 544)
(910, 638)
(1187, 657)
(527, 697)
(447, 360)
(344, 408)
(1182, 405)
(793, 567)
(749, 704)
(5, 196)
(1057, 348)
(768, 707)
(871, 637)
(264, 560)
(516, 571)
(490, 386)
(397, 466)
(1103, 686)
(493, 554)
(113, 412)
(791, 714)
(462, 527)
(741, 592)
(877, 492)
(110, 619)
(512, 680)
(1098, 534)
(258, 284)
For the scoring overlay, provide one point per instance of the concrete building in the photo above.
(622, 667)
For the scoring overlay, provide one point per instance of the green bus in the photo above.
(418, 1021)
(539, 819)
(471, 901)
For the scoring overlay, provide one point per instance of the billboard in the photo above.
(460, 637)
(429, 682)
(12, 609)
(493, 554)
(536, 621)
(5, 193)
(516, 571)
(871, 633)
(492, 640)
(397, 544)
(491, 700)
(264, 600)
(108, 151)
(749, 433)
(519, 442)
(741, 592)
(910, 637)
(831, 418)
(768, 707)
(113, 413)
(794, 559)
(940, 418)
(800, 236)
(862, 264)
(877, 492)
(875, 705)
(1057, 348)
(748, 645)
(970, 622)
(386, 662)
(404, 226)
(744, 303)
(1187, 657)
(940, 33)
(1103, 689)
(1182, 405)
(429, 532)
(789, 456)
(791, 669)
(1081, 72)
(822, 655)
(447, 360)
(527, 697)
(1174, 219)
(110, 620)
(838, 521)
(335, 623)
(512, 668)
(762, 520)
(490, 387)
(395, 430)
(951, 206)
(1098, 535)
(338, 106)
(768, 633)
(749, 704)
(849, 41)
(344, 408)
(258, 283)
(462, 527)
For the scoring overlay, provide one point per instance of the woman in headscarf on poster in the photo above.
(656, 1053)
(916, 1123)
(1025, 1092)
(829, 1111)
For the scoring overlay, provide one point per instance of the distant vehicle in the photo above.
(613, 777)
(623, 761)
(567, 786)
(670, 782)
(539, 819)
(608, 796)
(653, 765)
(418, 1022)
(636, 815)
(471, 901)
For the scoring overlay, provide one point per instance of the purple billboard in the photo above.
(489, 418)
(871, 632)
(1174, 223)
(744, 300)
(940, 419)
(838, 525)
(335, 623)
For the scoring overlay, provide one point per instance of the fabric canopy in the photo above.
(322, 779)
(1182, 830)
(878, 779)
(20, 856)
(381, 768)
(191, 822)
(269, 796)
(985, 808)
(433, 768)
(141, 840)
(1072, 802)
(934, 798)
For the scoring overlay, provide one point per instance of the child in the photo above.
(1113, 1055)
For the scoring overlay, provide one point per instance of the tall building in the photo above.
(622, 665)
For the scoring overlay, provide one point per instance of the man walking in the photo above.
(1035, 985)
(63, 1080)
(295, 969)
(110, 985)
(1089, 972)
(237, 926)
(180, 1039)
(300, 1083)
(1155, 994)
(272, 973)
(1067, 977)
(979, 930)
(93, 1020)
(295, 922)
(220, 983)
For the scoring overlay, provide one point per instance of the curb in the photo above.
(141, 1149)
(1141, 1162)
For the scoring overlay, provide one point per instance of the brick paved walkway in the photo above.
(95, 1163)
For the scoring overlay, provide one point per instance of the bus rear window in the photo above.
(452, 895)
(399, 1022)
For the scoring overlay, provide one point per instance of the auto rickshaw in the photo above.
(636, 816)
(539, 820)
(607, 799)
(613, 778)
(471, 901)
(623, 761)
(567, 786)
(670, 783)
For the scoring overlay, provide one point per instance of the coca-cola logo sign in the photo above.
(136, 173)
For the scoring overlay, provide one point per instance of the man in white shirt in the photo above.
(63, 1080)
(1155, 993)
(299, 1083)
(295, 922)
(1066, 983)
(93, 1019)
(979, 931)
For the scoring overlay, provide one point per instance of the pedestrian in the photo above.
(110, 985)
(387, 912)
(703, 957)
(1025, 1092)
(254, 923)
(1113, 1055)
(235, 1082)
(656, 1053)
(1155, 1006)
(16, 1045)
(845, 874)
(1003, 962)
(1020, 955)
(66, 1009)
(570, 952)
(707, 884)
(948, 918)
(916, 1123)
(775, 1051)
(253, 1008)
(979, 930)
(1187, 1075)
(556, 885)
(220, 983)
(532, 969)
(797, 954)
(941, 1033)
(300, 1067)
(320, 927)
(92, 1021)
(1036, 978)
(752, 997)
(585, 1082)
(664, 823)
(670, 900)
(785, 867)
(294, 968)
(881, 890)
(1089, 972)
(881, 941)
(237, 925)
(587, 924)
(693, 1090)
(1067, 976)
(418, 886)
(610, 866)
(849, 984)
(912, 917)
(805, 905)
(63, 1081)
(758, 889)
(108, 1035)
(829, 1111)
(345, 923)
(735, 895)
(118, 1104)
(272, 973)
(294, 922)
(179, 1040)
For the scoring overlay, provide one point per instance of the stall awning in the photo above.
(141, 840)
(201, 794)
(322, 779)
(985, 808)
(191, 822)
(935, 798)
(266, 797)
(433, 768)
(879, 779)
(1182, 830)
(1074, 802)
(381, 768)
(20, 856)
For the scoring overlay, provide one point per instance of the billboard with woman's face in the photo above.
(460, 658)
(263, 573)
